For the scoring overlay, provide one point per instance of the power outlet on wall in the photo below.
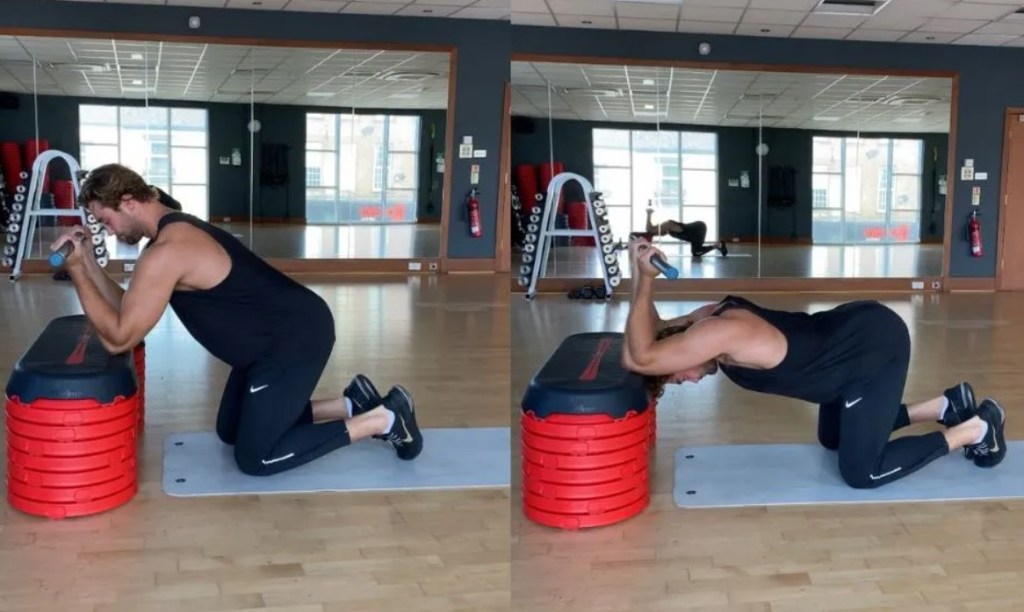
(433, 265)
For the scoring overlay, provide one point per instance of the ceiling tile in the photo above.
(764, 29)
(582, 7)
(318, 6)
(773, 17)
(702, 27)
(530, 6)
(811, 32)
(433, 10)
(647, 11)
(369, 8)
(833, 21)
(994, 40)
(587, 21)
(929, 37)
(475, 12)
(974, 10)
(875, 35)
(955, 26)
(263, 5)
(655, 25)
(703, 13)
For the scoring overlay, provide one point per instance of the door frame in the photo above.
(1011, 111)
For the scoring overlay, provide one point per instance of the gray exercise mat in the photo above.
(786, 474)
(462, 458)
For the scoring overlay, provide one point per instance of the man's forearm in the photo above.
(112, 292)
(100, 313)
(641, 321)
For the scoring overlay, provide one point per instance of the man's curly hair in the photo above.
(656, 384)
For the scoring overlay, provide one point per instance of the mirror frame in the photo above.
(404, 266)
(725, 285)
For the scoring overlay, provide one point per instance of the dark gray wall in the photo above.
(737, 207)
(228, 129)
(989, 81)
(481, 71)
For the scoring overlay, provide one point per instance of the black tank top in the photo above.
(255, 311)
(828, 352)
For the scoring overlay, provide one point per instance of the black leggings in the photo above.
(694, 233)
(267, 415)
(859, 425)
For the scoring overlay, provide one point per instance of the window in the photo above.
(362, 168)
(871, 190)
(167, 146)
(676, 172)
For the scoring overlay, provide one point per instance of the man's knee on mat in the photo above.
(255, 462)
(858, 474)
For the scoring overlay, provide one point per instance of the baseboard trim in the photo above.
(955, 283)
(471, 266)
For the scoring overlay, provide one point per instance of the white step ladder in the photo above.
(33, 205)
(541, 230)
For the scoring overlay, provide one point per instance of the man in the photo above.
(852, 361)
(276, 334)
(694, 233)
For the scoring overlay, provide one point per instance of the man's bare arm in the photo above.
(156, 275)
(111, 291)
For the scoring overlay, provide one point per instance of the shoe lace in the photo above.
(981, 448)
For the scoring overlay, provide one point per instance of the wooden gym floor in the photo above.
(909, 557)
(446, 338)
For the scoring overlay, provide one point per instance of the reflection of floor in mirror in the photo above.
(302, 241)
(823, 261)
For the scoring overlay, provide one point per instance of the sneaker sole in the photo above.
(411, 425)
(999, 429)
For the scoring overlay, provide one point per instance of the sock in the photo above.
(945, 406)
(391, 421)
(984, 432)
(348, 407)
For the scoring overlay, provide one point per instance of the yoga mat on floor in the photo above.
(200, 464)
(790, 474)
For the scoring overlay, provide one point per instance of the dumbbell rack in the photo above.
(33, 204)
(541, 230)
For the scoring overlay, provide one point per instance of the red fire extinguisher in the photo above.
(974, 231)
(473, 210)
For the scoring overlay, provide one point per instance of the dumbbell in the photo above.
(527, 258)
(615, 280)
(10, 250)
(97, 239)
(525, 269)
(8, 262)
(15, 217)
(12, 238)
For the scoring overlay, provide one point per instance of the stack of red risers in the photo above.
(589, 470)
